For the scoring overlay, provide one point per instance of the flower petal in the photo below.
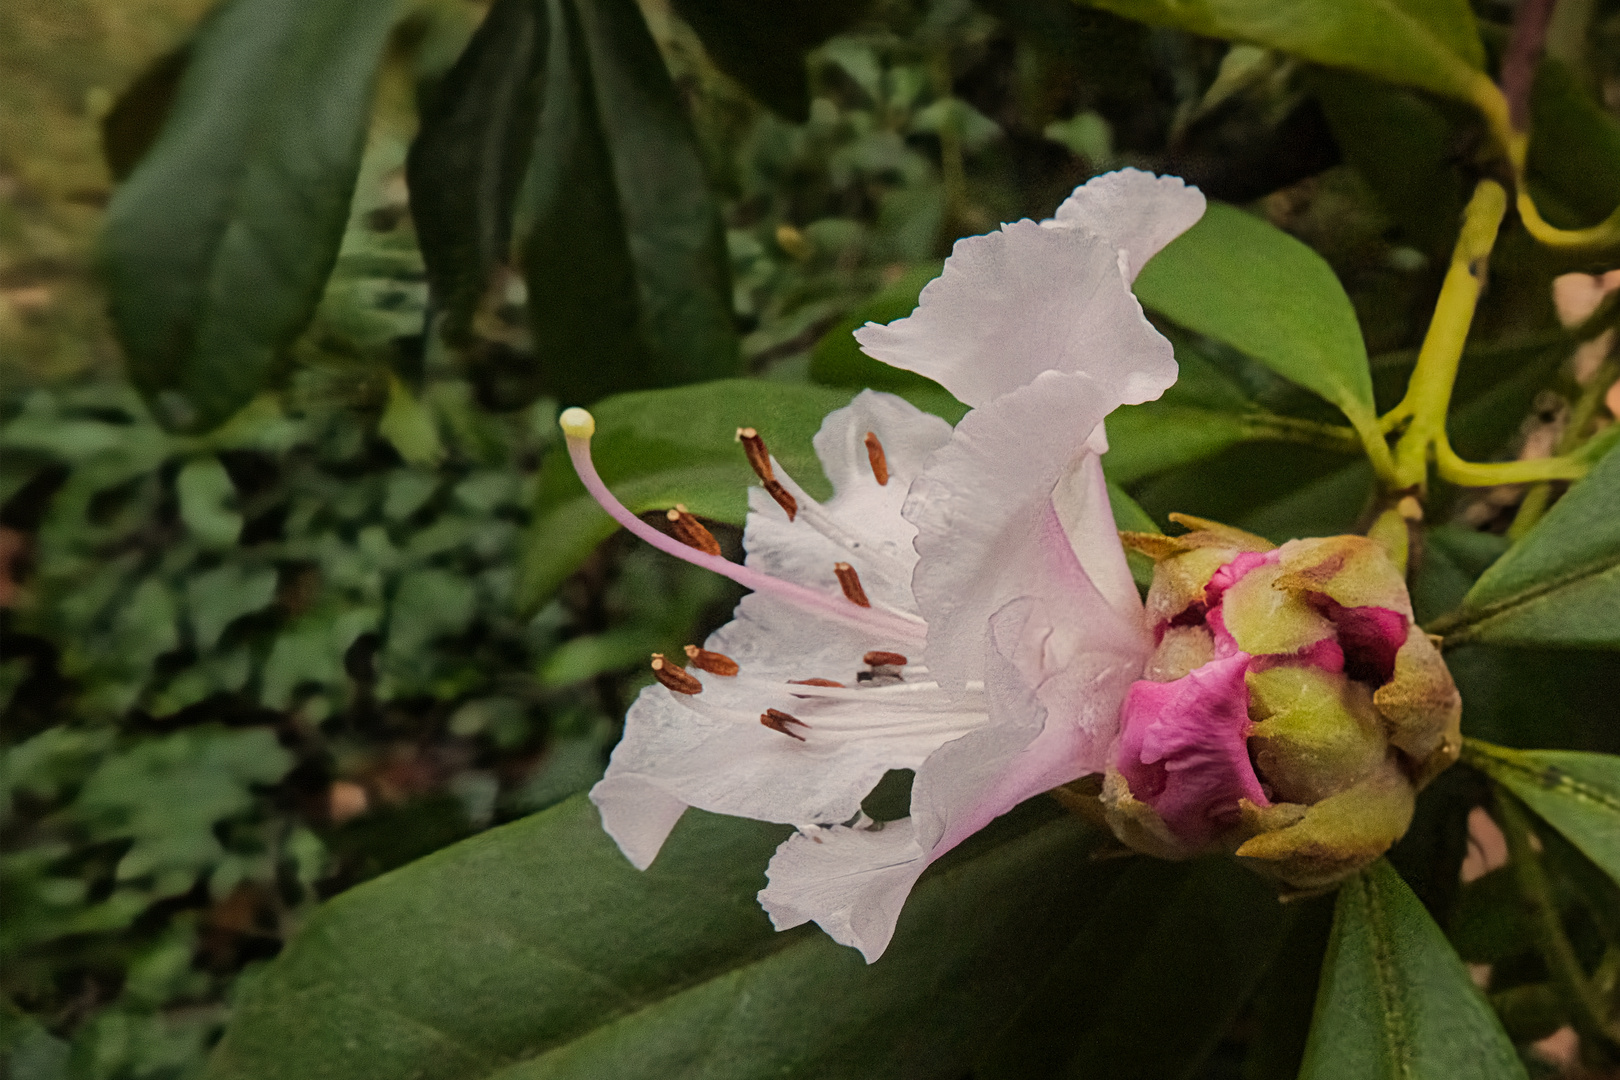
(988, 533)
(852, 882)
(710, 750)
(1011, 604)
(1184, 751)
(1027, 299)
(1135, 211)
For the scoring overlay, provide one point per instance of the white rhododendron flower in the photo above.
(960, 607)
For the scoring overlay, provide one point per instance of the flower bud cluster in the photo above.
(1291, 711)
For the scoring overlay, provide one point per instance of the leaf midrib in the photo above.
(1465, 623)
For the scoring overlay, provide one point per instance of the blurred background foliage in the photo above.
(247, 666)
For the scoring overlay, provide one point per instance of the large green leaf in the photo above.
(1108, 1011)
(1395, 1001)
(218, 246)
(1578, 793)
(1560, 585)
(619, 238)
(467, 162)
(1430, 44)
(1247, 283)
(764, 45)
(536, 950)
(655, 448)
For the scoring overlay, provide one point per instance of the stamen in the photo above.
(578, 425)
(712, 662)
(760, 460)
(674, 676)
(878, 658)
(874, 454)
(850, 582)
(690, 531)
(775, 490)
(816, 682)
(828, 525)
(777, 720)
(758, 456)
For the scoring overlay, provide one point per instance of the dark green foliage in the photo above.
(219, 244)
(617, 235)
(468, 161)
(766, 46)
(320, 604)
(1394, 999)
(675, 968)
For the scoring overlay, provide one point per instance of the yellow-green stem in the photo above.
(1428, 395)
(1515, 146)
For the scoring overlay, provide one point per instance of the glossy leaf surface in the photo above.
(217, 247)
(1560, 585)
(1212, 917)
(1578, 793)
(615, 228)
(1247, 283)
(468, 159)
(1395, 1000)
(1430, 44)
(536, 950)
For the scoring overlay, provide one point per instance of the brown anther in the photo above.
(816, 682)
(674, 676)
(850, 582)
(690, 531)
(777, 720)
(783, 498)
(758, 456)
(712, 662)
(874, 454)
(878, 658)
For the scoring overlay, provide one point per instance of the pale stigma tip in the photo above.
(577, 423)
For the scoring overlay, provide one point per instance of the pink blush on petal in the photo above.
(1183, 748)
(1233, 572)
(1369, 636)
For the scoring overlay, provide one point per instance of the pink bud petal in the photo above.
(1183, 749)
(1370, 638)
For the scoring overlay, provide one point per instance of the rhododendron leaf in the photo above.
(1395, 1000)
(535, 949)
(1247, 283)
(1578, 794)
(1212, 916)
(616, 229)
(217, 247)
(1429, 44)
(1560, 585)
